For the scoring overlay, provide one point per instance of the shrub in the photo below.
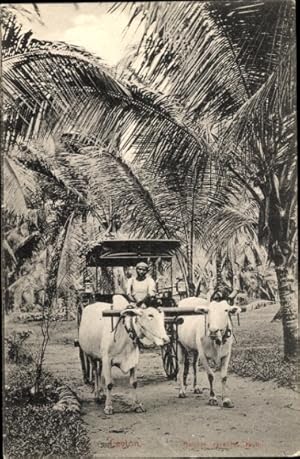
(34, 430)
(19, 382)
(32, 426)
(16, 352)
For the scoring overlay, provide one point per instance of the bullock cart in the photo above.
(108, 266)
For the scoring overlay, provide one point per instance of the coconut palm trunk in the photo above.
(190, 277)
(218, 269)
(289, 314)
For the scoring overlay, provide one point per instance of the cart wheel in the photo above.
(170, 362)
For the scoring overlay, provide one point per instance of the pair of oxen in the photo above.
(206, 335)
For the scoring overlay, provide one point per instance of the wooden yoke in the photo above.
(169, 312)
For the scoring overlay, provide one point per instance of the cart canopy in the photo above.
(129, 252)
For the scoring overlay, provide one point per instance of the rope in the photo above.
(232, 329)
(115, 328)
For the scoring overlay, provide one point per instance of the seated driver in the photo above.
(141, 288)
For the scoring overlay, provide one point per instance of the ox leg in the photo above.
(102, 383)
(137, 405)
(197, 389)
(94, 372)
(106, 369)
(99, 394)
(212, 397)
(186, 368)
(227, 403)
(91, 366)
(182, 370)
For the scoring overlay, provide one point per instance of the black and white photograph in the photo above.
(149, 243)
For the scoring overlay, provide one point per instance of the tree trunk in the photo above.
(67, 304)
(218, 269)
(289, 314)
(190, 274)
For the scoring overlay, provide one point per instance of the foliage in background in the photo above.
(16, 351)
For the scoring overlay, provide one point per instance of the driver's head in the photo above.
(142, 269)
(220, 294)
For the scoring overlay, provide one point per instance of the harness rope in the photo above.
(232, 326)
(130, 331)
(116, 326)
(227, 333)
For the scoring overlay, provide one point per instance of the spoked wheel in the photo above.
(170, 362)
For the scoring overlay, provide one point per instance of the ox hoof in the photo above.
(139, 408)
(213, 401)
(182, 395)
(197, 390)
(227, 403)
(108, 410)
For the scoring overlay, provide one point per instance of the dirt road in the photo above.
(264, 422)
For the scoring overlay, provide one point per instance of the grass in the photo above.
(258, 351)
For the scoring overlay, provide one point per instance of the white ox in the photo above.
(207, 336)
(119, 347)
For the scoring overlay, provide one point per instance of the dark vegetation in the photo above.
(32, 427)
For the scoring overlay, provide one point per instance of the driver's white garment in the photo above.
(140, 288)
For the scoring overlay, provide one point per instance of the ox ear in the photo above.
(234, 310)
(131, 312)
(201, 310)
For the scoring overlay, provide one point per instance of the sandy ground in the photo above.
(265, 420)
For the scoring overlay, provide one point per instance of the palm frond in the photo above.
(76, 92)
(224, 224)
(31, 158)
(70, 263)
(268, 106)
(112, 176)
(41, 78)
(185, 54)
(7, 249)
(146, 122)
(14, 197)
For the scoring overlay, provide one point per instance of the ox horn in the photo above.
(131, 312)
(201, 310)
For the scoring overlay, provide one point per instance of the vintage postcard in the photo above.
(149, 231)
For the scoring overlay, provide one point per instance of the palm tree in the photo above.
(243, 91)
(216, 86)
(104, 107)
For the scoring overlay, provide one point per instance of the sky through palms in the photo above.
(88, 25)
